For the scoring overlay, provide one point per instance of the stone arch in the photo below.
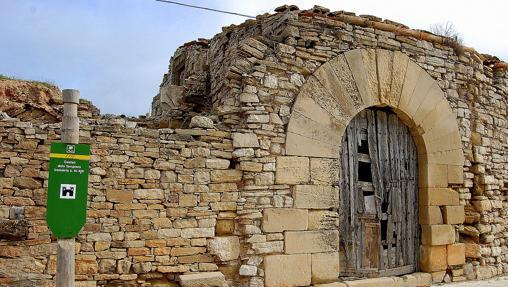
(362, 78)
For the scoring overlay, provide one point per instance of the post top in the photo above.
(71, 96)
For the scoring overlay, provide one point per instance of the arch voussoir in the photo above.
(363, 78)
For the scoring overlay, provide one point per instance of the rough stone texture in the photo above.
(433, 258)
(292, 170)
(225, 248)
(288, 270)
(315, 196)
(284, 219)
(454, 214)
(325, 267)
(281, 90)
(456, 254)
(201, 122)
(438, 234)
(208, 279)
(311, 241)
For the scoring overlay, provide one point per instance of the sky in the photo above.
(116, 51)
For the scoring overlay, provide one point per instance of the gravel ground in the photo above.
(496, 282)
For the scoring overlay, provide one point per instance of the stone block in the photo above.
(311, 241)
(323, 219)
(455, 174)
(292, 170)
(482, 205)
(372, 282)
(433, 176)
(433, 258)
(324, 171)
(287, 270)
(430, 215)
(472, 250)
(245, 140)
(284, 219)
(334, 284)
(224, 227)
(119, 195)
(225, 248)
(437, 277)
(456, 254)
(315, 196)
(454, 214)
(229, 175)
(422, 278)
(440, 234)
(207, 279)
(325, 267)
(438, 196)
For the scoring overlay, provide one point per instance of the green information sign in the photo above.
(67, 188)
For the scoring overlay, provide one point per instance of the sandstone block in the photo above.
(241, 140)
(438, 196)
(423, 279)
(230, 175)
(225, 248)
(456, 254)
(287, 270)
(311, 241)
(371, 282)
(187, 200)
(334, 284)
(283, 219)
(438, 234)
(198, 232)
(324, 171)
(208, 279)
(248, 270)
(482, 205)
(454, 214)
(26, 182)
(264, 178)
(315, 196)
(224, 227)
(119, 195)
(323, 219)
(325, 267)
(201, 122)
(292, 170)
(217, 163)
(149, 194)
(433, 258)
(472, 250)
(430, 215)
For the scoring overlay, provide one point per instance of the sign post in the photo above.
(67, 189)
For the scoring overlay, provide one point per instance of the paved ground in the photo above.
(496, 282)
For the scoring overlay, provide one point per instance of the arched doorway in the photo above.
(379, 230)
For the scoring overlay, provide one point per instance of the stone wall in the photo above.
(249, 195)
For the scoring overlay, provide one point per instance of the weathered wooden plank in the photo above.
(372, 234)
(353, 194)
(344, 214)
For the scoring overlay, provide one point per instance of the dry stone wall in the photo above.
(235, 200)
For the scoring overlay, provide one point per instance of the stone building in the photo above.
(302, 148)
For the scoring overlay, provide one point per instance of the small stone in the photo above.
(248, 270)
(209, 279)
(245, 140)
(225, 248)
(201, 122)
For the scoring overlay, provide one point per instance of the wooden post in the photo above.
(65, 271)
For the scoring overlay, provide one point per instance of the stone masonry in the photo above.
(240, 185)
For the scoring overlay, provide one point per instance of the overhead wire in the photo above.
(206, 8)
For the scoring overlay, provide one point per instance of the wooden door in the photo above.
(379, 231)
